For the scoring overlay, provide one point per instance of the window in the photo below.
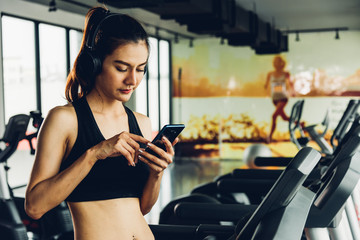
(18, 44)
(22, 76)
(153, 85)
(141, 97)
(164, 82)
(75, 43)
(52, 66)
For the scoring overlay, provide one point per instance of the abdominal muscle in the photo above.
(112, 219)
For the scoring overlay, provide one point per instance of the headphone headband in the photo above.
(89, 61)
(90, 41)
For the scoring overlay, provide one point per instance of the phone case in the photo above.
(170, 131)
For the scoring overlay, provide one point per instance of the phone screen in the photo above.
(170, 131)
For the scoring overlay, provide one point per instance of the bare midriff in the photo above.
(112, 219)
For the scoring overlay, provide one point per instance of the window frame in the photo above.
(37, 55)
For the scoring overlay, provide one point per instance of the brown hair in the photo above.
(118, 30)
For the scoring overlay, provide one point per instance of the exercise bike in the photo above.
(14, 222)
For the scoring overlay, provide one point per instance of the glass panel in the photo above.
(53, 66)
(18, 45)
(18, 66)
(75, 44)
(164, 83)
(153, 85)
(141, 97)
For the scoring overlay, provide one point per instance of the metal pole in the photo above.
(4, 188)
(317, 234)
(352, 218)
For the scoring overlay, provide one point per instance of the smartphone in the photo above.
(170, 131)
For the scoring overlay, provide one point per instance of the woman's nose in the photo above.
(131, 77)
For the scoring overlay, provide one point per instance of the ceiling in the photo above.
(307, 14)
(285, 15)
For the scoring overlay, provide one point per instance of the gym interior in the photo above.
(242, 168)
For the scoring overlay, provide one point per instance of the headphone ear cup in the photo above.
(89, 64)
(97, 63)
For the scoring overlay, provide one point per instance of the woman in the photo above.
(279, 81)
(88, 150)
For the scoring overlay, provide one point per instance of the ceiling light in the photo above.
(52, 6)
(337, 36)
(297, 37)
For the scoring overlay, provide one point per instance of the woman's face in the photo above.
(279, 63)
(122, 71)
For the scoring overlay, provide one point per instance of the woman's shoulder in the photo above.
(141, 118)
(61, 115)
(66, 110)
(271, 74)
(144, 124)
(140, 115)
(60, 122)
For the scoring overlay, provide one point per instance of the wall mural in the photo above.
(231, 99)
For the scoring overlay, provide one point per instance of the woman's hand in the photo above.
(125, 144)
(160, 163)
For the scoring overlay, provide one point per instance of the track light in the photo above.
(52, 6)
(316, 30)
(337, 36)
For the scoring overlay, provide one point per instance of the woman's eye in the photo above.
(140, 70)
(121, 70)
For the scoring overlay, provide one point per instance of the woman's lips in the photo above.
(125, 91)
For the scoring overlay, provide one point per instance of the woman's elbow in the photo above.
(145, 210)
(32, 210)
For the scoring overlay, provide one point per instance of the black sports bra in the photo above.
(109, 178)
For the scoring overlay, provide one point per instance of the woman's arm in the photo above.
(156, 165)
(152, 187)
(150, 192)
(267, 80)
(290, 84)
(47, 187)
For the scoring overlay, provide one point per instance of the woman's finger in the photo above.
(175, 141)
(168, 146)
(133, 141)
(155, 151)
(129, 154)
(155, 160)
(122, 147)
(135, 145)
(138, 138)
(151, 164)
